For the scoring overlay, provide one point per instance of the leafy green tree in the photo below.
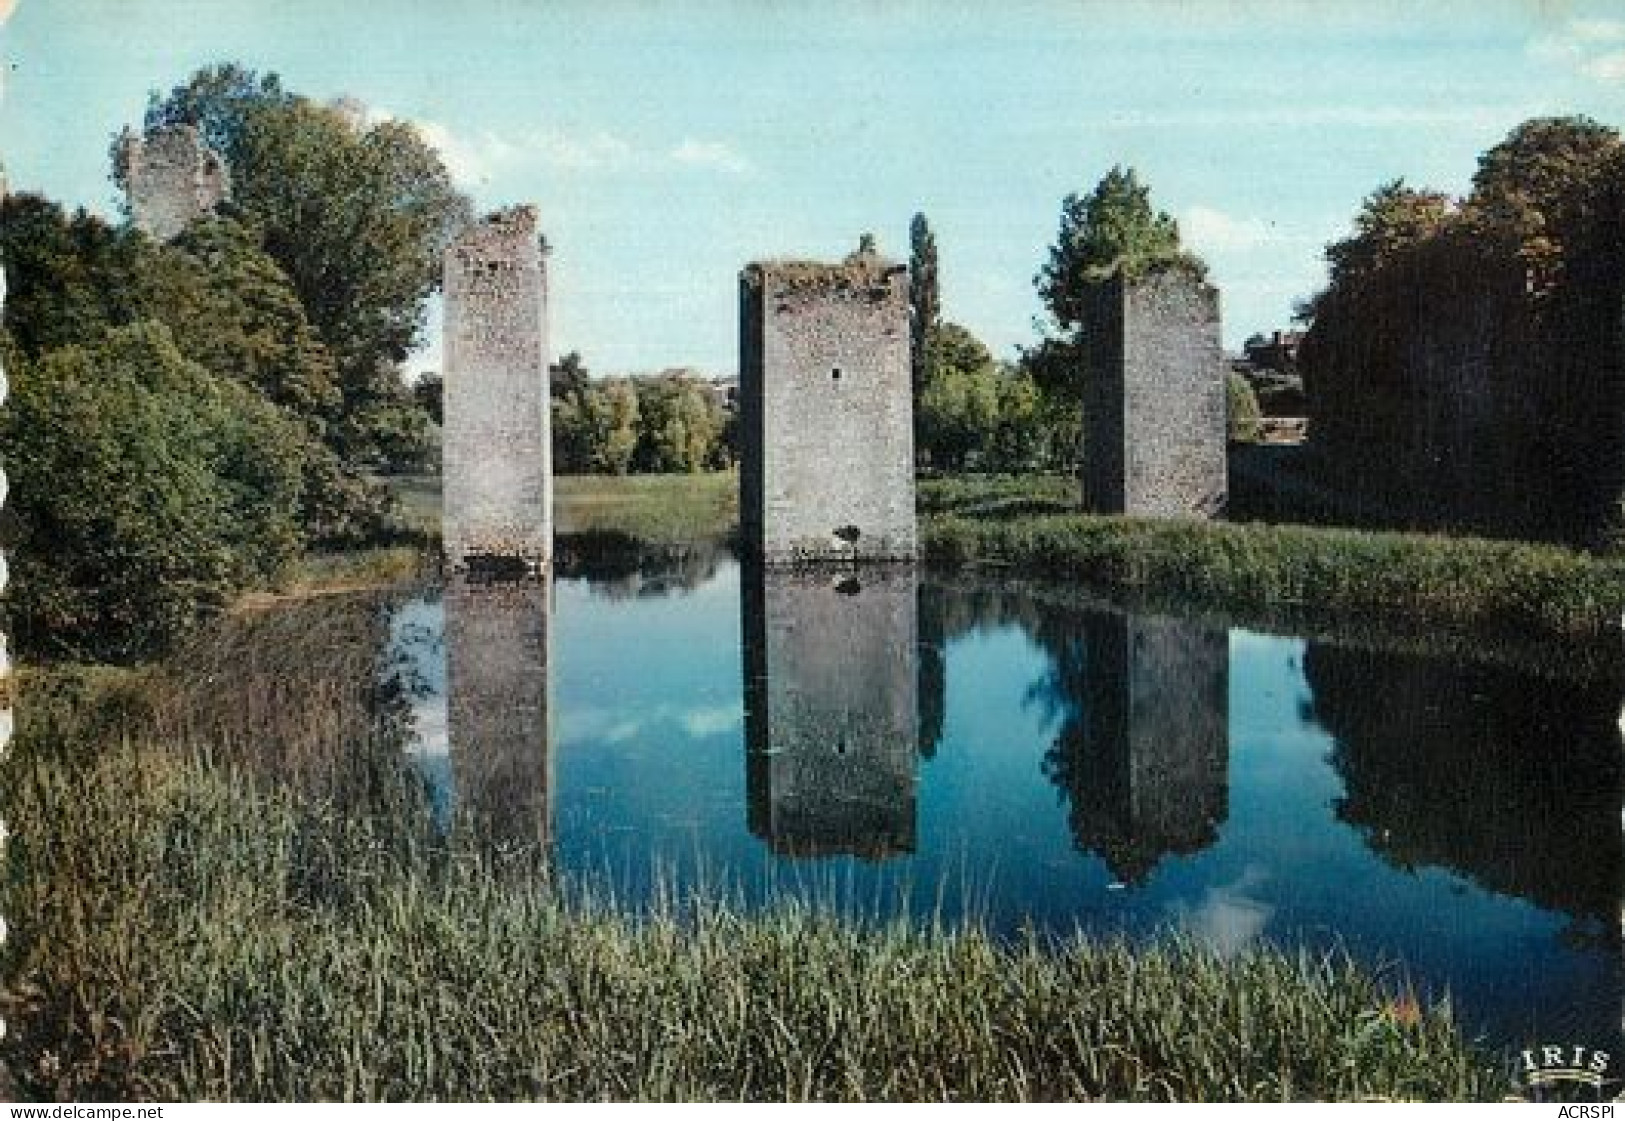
(227, 306)
(924, 296)
(567, 376)
(616, 410)
(1113, 227)
(146, 492)
(217, 100)
(959, 407)
(232, 310)
(1538, 187)
(596, 428)
(1526, 274)
(429, 391)
(68, 277)
(678, 424)
(1245, 419)
(1392, 218)
(356, 215)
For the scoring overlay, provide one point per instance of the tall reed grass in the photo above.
(1326, 573)
(186, 929)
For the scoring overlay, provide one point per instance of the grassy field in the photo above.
(209, 922)
(658, 509)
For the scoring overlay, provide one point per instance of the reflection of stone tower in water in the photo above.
(1144, 760)
(497, 656)
(830, 710)
(497, 447)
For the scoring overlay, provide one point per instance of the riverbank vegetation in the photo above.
(189, 418)
(1327, 573)
(199, 917)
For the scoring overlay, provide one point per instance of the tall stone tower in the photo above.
(1154, 409)
(172, 178)
(497, 706)
(497, 453)
(826, 411)
(831, 723)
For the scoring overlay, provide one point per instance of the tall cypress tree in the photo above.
(925, 302)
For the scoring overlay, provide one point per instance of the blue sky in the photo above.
(669, 143)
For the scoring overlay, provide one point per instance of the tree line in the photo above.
(187, 418)
(1463, 363)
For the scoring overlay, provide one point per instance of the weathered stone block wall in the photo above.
(827, 438)
(497, 438)
(497, 700)
(831, 709)
(172, 178)
(1154, 402)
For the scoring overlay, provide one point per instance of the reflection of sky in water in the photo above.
(417, 656)
(650, 784)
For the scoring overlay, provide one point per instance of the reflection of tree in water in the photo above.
(1142, 705)
(299, 693)
(933, 674)
(1507, 778)
(619, 567)
(1143, 747)
(948, 612)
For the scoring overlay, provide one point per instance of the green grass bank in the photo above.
(1028, 526)
(188, 928)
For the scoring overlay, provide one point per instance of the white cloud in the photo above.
(1307, 116)
(1591, 46)
(704, 722)
(1597, 30)
(476, 158)
(1209, 230)
(621, 725)
(597, 152)
(1230, 917)
(1605, 68)
(711, 153)
(470, 159)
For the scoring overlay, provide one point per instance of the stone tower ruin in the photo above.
(171, 179)
(497, 449)
(831, 721)
(1154, 407)
(826, 411)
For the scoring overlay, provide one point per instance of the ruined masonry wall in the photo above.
(172, 178)
(1154, 413)
(827, 412)
(497, 448)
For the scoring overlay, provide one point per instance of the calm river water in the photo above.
(903, 741)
